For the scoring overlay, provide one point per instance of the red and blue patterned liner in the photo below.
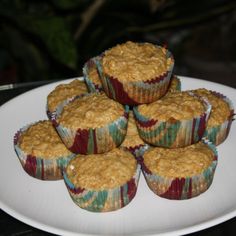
(172, 133)
(92, 86)
(217, 134)
(181, 188)
(135, 92)
(92, 140)
(137, 150)
(104, 200)
(40, 167)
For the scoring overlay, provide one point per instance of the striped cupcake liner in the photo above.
(104, 200)
(172, 133)
(40, 167)
(181, 188)
(137, 150)
(217, 134)
(93, 140)
(92, 86)
(137, 92)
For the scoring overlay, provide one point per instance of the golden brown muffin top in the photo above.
(42, 140)
(179, 162)
(102, 171)
(65, 91)
(220, 111)
(93, 111)
(135, 61)
(177, 105)
(132, 138)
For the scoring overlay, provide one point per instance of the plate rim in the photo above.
(47, 228)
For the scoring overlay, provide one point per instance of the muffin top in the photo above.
(65, 91)
(132, 138)
(179, 162)
(42, 140)
(177, 105)
(92, 111)
(220, 111)
(136, 61)
(102, 171)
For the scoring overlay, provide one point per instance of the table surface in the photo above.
(12, 226)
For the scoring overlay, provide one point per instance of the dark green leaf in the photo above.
(56, 36)
(68, 4)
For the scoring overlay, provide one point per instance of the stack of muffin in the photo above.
(134, 108)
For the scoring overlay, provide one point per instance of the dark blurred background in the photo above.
(47, 40)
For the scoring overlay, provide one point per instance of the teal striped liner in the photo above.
(104, 200)
(97, 140)
(172, 133)
(217, 134)
(92, 87)
(183, 188)
(40, 167)
(138, 92)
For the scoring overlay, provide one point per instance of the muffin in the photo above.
(176, 120)
(221, 115)
(135, 73)
(92, 124)
(62, 92)
(132, 141)
(91, 76)
(175, 84)
(180, 173)
(102, 182)
(41, 151)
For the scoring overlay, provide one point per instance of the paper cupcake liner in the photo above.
(172, 133)
(217, 134)
(93, 140)
(138, 92)
(104, 200)
(181, 188)
(92, 86)
(40, 167)
(137, 150)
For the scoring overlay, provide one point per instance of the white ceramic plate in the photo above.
(47, 205)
